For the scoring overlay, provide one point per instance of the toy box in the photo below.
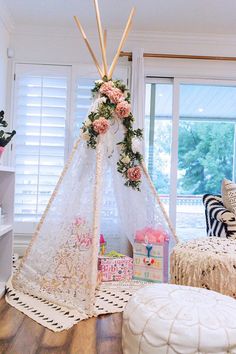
(151, 248)
(115, 268)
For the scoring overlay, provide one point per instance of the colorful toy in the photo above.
(151, 255)
(103, 245)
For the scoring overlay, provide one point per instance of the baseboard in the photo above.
(21, 242)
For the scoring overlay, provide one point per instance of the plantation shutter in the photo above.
(83, 101)
(41, 101)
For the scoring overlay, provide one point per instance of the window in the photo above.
(46, 130)
(41, 101)
(158, 131)
(206, 150)
(201, 117)
(83, 101)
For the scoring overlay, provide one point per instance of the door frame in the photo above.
(177, 82)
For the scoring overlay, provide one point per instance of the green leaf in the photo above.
(106, 110)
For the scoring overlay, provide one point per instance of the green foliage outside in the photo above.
(159, 163)
(205, 156)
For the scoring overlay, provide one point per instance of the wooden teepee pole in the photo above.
(97, 195)
(153, 189)
(101, 38)
(105, 44)
(88, 46)
(123, 39)
(105, 39)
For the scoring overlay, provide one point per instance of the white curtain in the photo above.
(138, 89)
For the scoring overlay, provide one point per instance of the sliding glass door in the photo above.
(193, 150)
(158, 132)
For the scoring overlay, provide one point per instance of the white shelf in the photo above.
(2, 288)
(6, 169)
(4, 229)
(7, 184)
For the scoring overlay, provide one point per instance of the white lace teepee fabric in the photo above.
(110, 297)
(90, 198)
(58, 263)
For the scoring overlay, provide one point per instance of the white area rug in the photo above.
(111, 297)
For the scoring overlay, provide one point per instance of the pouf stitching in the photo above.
(143, 334)
(226, 332)
(151, 314)
(168, 341)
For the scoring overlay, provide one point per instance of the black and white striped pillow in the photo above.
(220, 221)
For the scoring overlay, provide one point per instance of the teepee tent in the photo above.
(103, 189)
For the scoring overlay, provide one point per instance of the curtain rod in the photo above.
(178, 56)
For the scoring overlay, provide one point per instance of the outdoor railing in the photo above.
(183, 199)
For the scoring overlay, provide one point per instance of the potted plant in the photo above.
(5, 137)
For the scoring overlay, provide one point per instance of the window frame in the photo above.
(23, 227)
(177, 82)
(75, 71)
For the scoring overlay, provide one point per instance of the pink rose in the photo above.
(134, 173)
(101, 125)
(106, 88)
(123, 109)
(115, 95)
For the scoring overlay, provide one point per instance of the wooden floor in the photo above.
(21, 335)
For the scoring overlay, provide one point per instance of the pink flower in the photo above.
(106, 88)
(101, 125)
(134, 173)
(123, 109)
(1, 150)
(115, 95)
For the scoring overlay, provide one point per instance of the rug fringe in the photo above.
(110, 297)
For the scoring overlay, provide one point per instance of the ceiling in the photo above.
(170, 16)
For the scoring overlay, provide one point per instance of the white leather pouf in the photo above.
(165, 318)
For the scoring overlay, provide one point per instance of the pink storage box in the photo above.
(115, 268)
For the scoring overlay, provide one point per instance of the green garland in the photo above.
(128, 158)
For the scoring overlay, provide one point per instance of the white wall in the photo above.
(66, 45)
(6, 26)
(4, 43)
